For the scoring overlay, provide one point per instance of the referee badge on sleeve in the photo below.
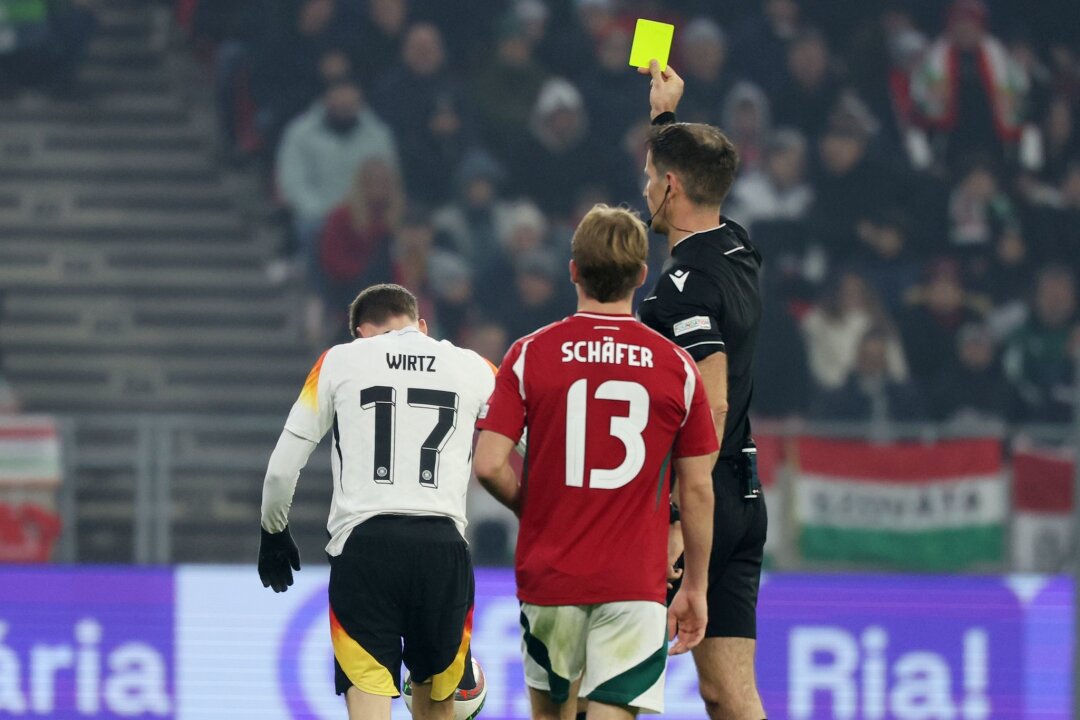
(689, 325)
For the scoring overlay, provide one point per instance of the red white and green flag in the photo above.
(1043, 507)
(770, 457)
(29, 452)
(916, 506)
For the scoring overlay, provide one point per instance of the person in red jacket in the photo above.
(355, 247)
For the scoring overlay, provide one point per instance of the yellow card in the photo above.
(652, 41)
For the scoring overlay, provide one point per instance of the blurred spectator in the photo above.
(232, 29)
(1040, 356)
(761, 43)
(521, 229)
(626, 177)
(974, 387)
(423, 102)
(888, 255)
(469, 224)
(747, 120)
(383, 33)
(850, 189)
(451, 282)
(914, 158)
(1061, 139)
(979, 212)
(43, 42)
(811, 88)
(969, 90)
(540, 294)
(884, 54)
(571, 49)
(504, 89)
(534, 15)
(834, 329)
(285, 76)
(871, 393)
(779, 192)
(487, 338)
(612, 92)
(320, 153)
(704, 50)
(411, 256)
(780, 357)
(936, 311)
(557, 158)
(356, 242)
(1055, 217)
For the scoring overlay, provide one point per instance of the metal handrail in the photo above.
(151, 457)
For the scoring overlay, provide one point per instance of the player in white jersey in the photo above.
(402, 407)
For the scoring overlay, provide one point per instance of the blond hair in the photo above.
(368, 186)
(609, 248)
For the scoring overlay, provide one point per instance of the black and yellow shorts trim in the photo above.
(402, 591)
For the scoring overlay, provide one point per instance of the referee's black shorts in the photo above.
(739, 528)
(402, 590)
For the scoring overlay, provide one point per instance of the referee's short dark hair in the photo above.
(379, 303)
(701, 155)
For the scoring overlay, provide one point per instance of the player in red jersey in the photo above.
(608, 404)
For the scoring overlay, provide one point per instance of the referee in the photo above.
(707, 301)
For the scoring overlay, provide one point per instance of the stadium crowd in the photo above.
(910, 171)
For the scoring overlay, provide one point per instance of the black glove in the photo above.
(277, 552)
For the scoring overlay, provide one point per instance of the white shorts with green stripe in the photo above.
(618, 649)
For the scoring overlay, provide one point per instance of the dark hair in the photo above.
(701, 155)
(609, 248)
(379, 303)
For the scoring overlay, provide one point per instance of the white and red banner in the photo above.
(1042, 532)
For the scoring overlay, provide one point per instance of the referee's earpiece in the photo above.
(663, 202)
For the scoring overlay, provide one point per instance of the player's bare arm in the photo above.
(665, 89)
(688, 613)
(491, 463)
(713, 371)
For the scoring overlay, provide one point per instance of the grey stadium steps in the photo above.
(132, 280)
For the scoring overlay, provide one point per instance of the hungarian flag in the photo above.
(29, 452)
(1043, 504)
(915, 506)
(770, 458)
(30, 471)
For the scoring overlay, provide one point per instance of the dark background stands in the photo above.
(872, 149)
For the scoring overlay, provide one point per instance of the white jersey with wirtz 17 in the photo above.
(401, 407)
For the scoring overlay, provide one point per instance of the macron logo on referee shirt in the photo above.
(679, 278)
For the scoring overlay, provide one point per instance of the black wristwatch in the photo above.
(673, 514)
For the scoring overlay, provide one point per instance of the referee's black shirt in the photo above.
(707, 300)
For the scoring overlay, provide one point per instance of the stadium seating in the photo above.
(132, 280)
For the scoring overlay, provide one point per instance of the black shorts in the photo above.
(402, 590)
(739, 528)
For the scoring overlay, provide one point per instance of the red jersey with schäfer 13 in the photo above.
(607, 403)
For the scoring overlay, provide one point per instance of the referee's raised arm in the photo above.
(665, 91)
(706, 300)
